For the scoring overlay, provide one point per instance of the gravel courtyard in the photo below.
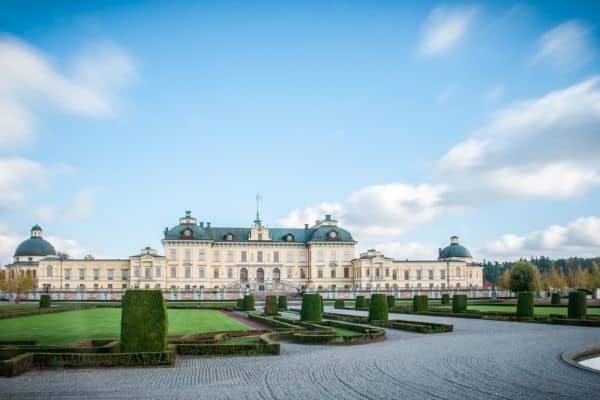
(479, 360)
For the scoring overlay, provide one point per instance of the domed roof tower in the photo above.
(35, 246)
(455, 251)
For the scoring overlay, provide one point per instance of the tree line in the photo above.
(574, 272)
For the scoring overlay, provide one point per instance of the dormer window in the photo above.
(332, 235)
(289, 237)
(229, 237)
(187, 233)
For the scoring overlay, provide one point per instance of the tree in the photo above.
(554, 279)
(578, 278)
(524, 277)
(504, 280)
(19, 285)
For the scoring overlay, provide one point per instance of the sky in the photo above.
(409, 122)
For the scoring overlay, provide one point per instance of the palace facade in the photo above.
(257, 258)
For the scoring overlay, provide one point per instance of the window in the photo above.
(173, 272)
(201, 255)
(443, 274)
(302, 274)
(346, 255)
(201, 273)
(346, 272)
(419, 274)
(188, 255)
(96, 274)
(333, 256)
(458, 272)
(216, 273)
(81, 274)
(124, 274)
(290, 256)
(320, 256)
(387, 272)
(276, 275)
(229, 237)
(216, 256)
(406, 275)
(230, 273)
(230, 256)
(302, 257)
(244, 256)
(157, 272)
(147, 286)
(290, 273)
(157, 286)
(67, 285)
(110, 286)
(430, 274)
(188, 272)
(333, 272)
(275, 256)
(319, 273)
(136, 272)
(111, 274)
(259, 256)
(394, 274)
(368, 271)
(95, 286)
(260, 236)
(173, 256)
(49, 271)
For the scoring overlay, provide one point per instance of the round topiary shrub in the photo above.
(271, 305)
(312, 308)
(248, 302)
(459, 303)
(420, 303)
(282, 303)
(45, 301)
(525, 304)
(360, 302)
(391, 300)
(577, 305)
(378, 309)
(339, 304)
(445, 299)
(555, 299)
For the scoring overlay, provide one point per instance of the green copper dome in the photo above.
(35, 246)
(455, 250)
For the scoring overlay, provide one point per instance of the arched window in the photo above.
(49, 271)
(276, 275)
(243, 275)
(260, 275)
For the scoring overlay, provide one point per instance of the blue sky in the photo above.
(409, 122)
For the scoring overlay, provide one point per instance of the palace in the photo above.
(257, 258)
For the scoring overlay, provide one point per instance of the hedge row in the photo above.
(391, 302)
(445, 299)
(14, 350)
(24, 362)
(555, 299)
(360, 302)
(273, 322)
(339, 304)
(414, 326)
(266, 347)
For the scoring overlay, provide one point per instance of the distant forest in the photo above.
(574, 271)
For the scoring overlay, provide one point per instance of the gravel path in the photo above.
(479, 360)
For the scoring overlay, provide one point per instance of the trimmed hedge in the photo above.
(446, 299)
(240, 304)
(525, 305)
(282, 303)
(144, 322)
(265, 347)
(45, 301)
(413, 326)
(459, 303)
(378, 310)
(420, 303)
(391, 300)
(339, 304)
(312, 307)
(271, 305)
(248, 303)
(555, 299)
(577, 305)
(360, 302)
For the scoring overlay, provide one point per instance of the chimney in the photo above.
(208, 225)
(439, 252)
(327, 217)
(201, 224)
(305, 226)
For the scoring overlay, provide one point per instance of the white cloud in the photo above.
(545, 147)
(408, 251)
(444, 28)
(566, 45)
(580, 237)
(18, 176)
(80, 207)
(379, 210)
(28, 79)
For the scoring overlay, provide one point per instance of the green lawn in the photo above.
(537, 310)
(97, 323)
(345, 332)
